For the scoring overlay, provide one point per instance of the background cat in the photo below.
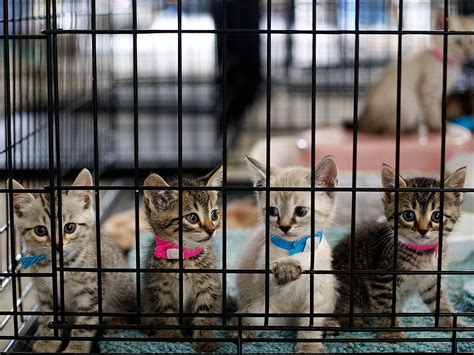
(421, 83)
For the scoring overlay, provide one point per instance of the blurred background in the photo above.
(231, 91)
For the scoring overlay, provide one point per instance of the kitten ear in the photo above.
(154, 198)
(388, 180)
(214, 178)
(20, 200)
(154, 180)
(258, 169)
(326, 172)
(83, 179)
(456, 181)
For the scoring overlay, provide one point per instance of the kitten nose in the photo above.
(285, 228)
(210, 231)
(423, 231)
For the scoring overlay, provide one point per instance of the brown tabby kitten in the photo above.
(201, 218)
(418, 232)
(32, 222)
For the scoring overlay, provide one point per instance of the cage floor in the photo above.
(460, 299)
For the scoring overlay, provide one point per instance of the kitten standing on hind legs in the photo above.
(201, 291)
(417, 250)
(290, 250)
(33, 222)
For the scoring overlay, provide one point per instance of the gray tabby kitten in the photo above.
(422, 83)
(33, 223)
(417, 249)
(201, 218)
(290, 220)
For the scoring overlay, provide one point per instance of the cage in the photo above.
(125, 88)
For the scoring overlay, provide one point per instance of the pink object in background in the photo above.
(417, 153)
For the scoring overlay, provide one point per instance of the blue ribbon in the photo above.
(298, 245)
(28, 261)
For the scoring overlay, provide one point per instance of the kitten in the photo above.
(417, 250)
(32, 222)
(290, 221)
(201, 218)
(421, 86)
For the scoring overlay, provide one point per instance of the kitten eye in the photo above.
(41, 231)
(215, 215)
(273, 211)
(436, 217)
(192, 218)
(409, 215)
(301, 211)
(70, 228)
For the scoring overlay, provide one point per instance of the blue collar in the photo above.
(28, 261)
(298, 245)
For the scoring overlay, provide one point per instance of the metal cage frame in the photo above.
(49, 36)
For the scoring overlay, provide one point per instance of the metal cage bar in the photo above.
(63, 104)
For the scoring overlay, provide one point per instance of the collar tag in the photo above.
(172, 253)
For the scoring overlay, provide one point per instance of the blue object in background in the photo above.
(465, 121)
(372, 13)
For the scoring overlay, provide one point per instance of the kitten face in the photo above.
(419, 212)
(33, 222)
(460, 47)
(290, 211)
(201, 214)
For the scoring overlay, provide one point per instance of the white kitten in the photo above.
(290, 221)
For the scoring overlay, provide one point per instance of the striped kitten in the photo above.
(417, 249)
(290, 250)
(201, 218)
(32, 222)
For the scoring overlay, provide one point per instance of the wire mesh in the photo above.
(125, 87)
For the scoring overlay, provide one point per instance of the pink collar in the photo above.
(421, 247)
(438, 55)
(168, 250)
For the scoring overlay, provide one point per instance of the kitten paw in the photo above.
(448, 322)
(331, 323)
(46, 346)
(169, 333)
(309, 348)
(206, 347)
(77, 346)
(391, 335)
(286, 270)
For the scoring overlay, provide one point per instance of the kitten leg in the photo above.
(311, 347)
(85, 303)
(165, 321)
(207, 301)
(42, 346)
(286, 270)
(381, 302)
(383, 305)
(431, 106)
(429, 298)
(159, 298)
